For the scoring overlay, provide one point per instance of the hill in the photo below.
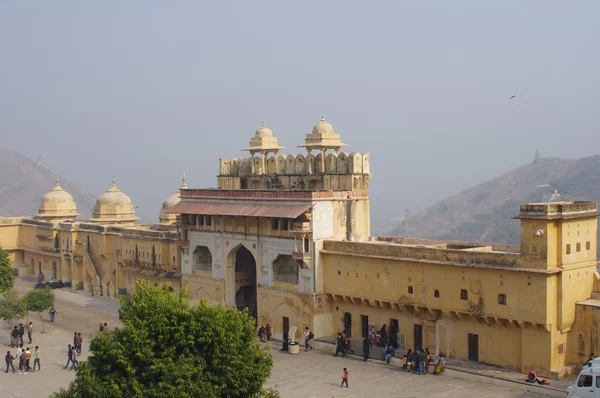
(483, 213)
(23, 182)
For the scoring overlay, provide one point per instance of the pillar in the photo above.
(263, 162)
(252, 163)
(308, 168)
(323, 160)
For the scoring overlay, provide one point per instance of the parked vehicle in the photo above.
(588, 382)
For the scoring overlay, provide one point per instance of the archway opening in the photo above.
(39, 267)
(245, 281)
(54, 271)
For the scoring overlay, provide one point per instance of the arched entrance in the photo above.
(245, 281)
(39, 267)
(54, 271)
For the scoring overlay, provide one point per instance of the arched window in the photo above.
(502, 299)
(410, 290)
(202, 258)
(436, 293)
(285, 269)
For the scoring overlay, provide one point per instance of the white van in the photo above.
(588, 382)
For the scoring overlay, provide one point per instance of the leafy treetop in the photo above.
(7, 277)
(169, 348)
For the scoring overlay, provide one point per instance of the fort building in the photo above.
(288, 237)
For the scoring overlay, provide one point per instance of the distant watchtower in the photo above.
(538, 158)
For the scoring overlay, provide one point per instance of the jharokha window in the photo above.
(464, 295)
(410, 290)
(568, 249)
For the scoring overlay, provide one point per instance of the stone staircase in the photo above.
(92, 270)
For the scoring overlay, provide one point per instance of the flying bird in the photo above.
(513, 97)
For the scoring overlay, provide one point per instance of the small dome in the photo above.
(323, 127)
(57, 203)
(263, 141)
(114, 206)
(168, 218)
(263, 131)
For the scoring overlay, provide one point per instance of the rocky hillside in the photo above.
(23, 182)
(483, 213)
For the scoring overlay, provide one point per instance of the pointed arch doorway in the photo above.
(245, 290)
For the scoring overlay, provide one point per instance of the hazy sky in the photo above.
(146, 90)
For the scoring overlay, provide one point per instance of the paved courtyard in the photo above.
(312, 374)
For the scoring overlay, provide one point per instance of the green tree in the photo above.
(38, 300)
(169, 348)
(7, 277)
(11, 307)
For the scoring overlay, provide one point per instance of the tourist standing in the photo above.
(79, 340)
(14, 337)
(345, 378)
(366, 348)
(52, 313)
(101, 328)
(383, 335)
(105, 328)
(9, 361)
(308, 336)
(22, 368)
(69, 356)
(427, 359)
(27, 360)
(36, 358)
(406, 365)
(30, 331)
(268, 332)
(422, 358)
(21, 333)
(18, 358)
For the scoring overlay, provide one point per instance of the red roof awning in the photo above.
(239, 209)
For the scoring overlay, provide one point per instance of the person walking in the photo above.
(30, 331)
(27, 360)
(308, 336)
(345, 378)
(36, 358)
(52, 313)
(366, 348)
(74, 359)
(422, 358)
(69, 356)
(9, 361)
(79, 341)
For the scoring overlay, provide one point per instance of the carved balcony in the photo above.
(302, 227)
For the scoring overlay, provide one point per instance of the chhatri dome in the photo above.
(323, 137)
(263, 141)
(113, 206)
(57, 203)
(169, 218)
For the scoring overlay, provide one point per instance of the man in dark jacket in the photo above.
(21, 333)
(14, 337)
(9, 361)
(366, 348)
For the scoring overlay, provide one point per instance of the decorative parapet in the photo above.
(302, 227)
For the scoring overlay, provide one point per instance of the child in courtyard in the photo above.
(345, 378)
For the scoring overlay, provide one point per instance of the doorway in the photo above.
(394, 332)
(39, 267)
(286, 326)
(54, 271)
(348, 324)
(418, 336)
(364, 325)
(32, 269)
(245, 281)
(473, 347)
(89, 245)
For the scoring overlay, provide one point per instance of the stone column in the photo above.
(263, 163)
(252, 162)
(323, 160)
(308, 168)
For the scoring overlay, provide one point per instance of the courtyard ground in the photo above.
(309, 374)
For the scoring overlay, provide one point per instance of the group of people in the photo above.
(418, 361)
(74, 350)
(23, 354)
(23, 358)
(264, 333)
(17, 335)
(342, 344)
